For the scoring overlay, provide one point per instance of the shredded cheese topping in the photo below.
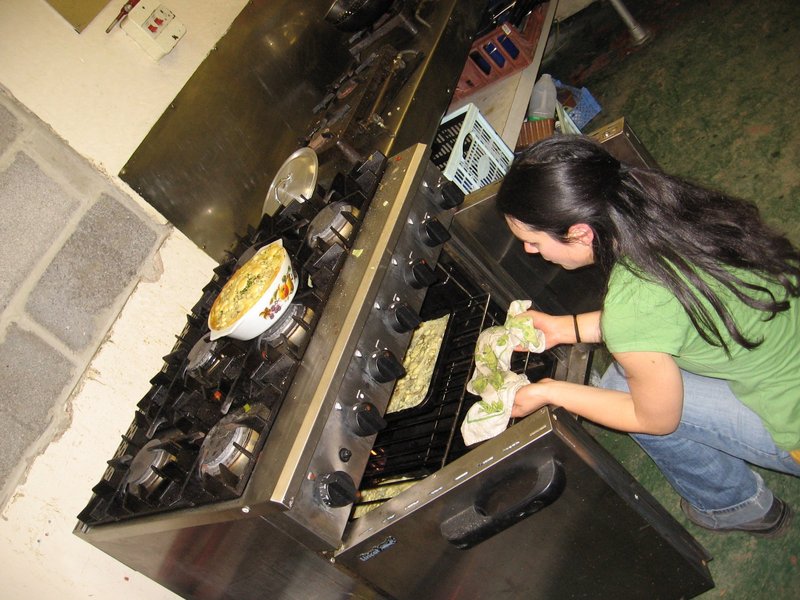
(246, 286)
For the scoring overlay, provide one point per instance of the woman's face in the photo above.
(574, 254)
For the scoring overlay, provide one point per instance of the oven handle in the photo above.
(476, 524)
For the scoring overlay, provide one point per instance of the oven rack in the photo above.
(420, 440)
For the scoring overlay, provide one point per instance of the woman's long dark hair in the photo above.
(664, 228)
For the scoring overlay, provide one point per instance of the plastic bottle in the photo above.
(543, 99)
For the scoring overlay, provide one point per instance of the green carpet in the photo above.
(714, 98)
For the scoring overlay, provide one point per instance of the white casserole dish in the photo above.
(255, 296)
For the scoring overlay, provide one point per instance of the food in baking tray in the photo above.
(372, 498)
(419, 363)
(246, 286)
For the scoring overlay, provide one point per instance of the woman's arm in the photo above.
(653, 406)
(561, 329)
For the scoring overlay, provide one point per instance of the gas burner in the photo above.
(229, 446)
(198, 431)
(293, 326)
(201, 355)
(146, 471)
(333, 224)
(208, 362)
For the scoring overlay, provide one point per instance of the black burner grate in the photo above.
(245, 386)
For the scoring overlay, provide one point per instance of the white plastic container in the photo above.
(543, 99)
(468, 151)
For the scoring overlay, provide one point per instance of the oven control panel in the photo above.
(397, 249)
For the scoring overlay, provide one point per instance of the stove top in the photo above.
(198, 429)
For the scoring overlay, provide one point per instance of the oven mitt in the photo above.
(492, 379)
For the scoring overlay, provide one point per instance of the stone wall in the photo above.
(74, 247)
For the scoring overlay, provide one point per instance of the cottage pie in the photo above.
(246, 286)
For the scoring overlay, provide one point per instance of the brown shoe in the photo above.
(773, 524)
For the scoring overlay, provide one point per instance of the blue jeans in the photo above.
(706, 458)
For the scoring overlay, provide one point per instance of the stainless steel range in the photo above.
(240, 476)
(251, 467)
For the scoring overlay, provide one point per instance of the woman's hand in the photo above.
(560, 329)
(530, 398)
(552, 326)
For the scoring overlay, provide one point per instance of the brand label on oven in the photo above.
(375, 550)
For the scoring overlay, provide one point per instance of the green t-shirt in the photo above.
(640, 315)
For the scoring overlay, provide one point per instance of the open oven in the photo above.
(276, 467)
(271, 468)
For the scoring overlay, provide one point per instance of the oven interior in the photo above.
(420, 440)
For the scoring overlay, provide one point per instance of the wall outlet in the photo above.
(154, 28)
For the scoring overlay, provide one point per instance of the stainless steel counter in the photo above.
(209, 160)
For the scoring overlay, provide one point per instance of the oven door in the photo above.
(540, 511)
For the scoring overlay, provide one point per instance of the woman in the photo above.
(701, 314)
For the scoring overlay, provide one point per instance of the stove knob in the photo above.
(420, 274)
(432, 233)
(402, 318)
(366, 419)
(336, 489)
(384, 367)
(451, 195)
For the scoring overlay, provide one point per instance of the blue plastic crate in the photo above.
(586, 107)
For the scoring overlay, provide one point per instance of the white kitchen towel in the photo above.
(492, 379)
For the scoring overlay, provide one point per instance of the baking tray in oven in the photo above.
(420, 440)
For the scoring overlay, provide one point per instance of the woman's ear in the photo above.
(580, 233)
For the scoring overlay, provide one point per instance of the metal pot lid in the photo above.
(295, 180)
